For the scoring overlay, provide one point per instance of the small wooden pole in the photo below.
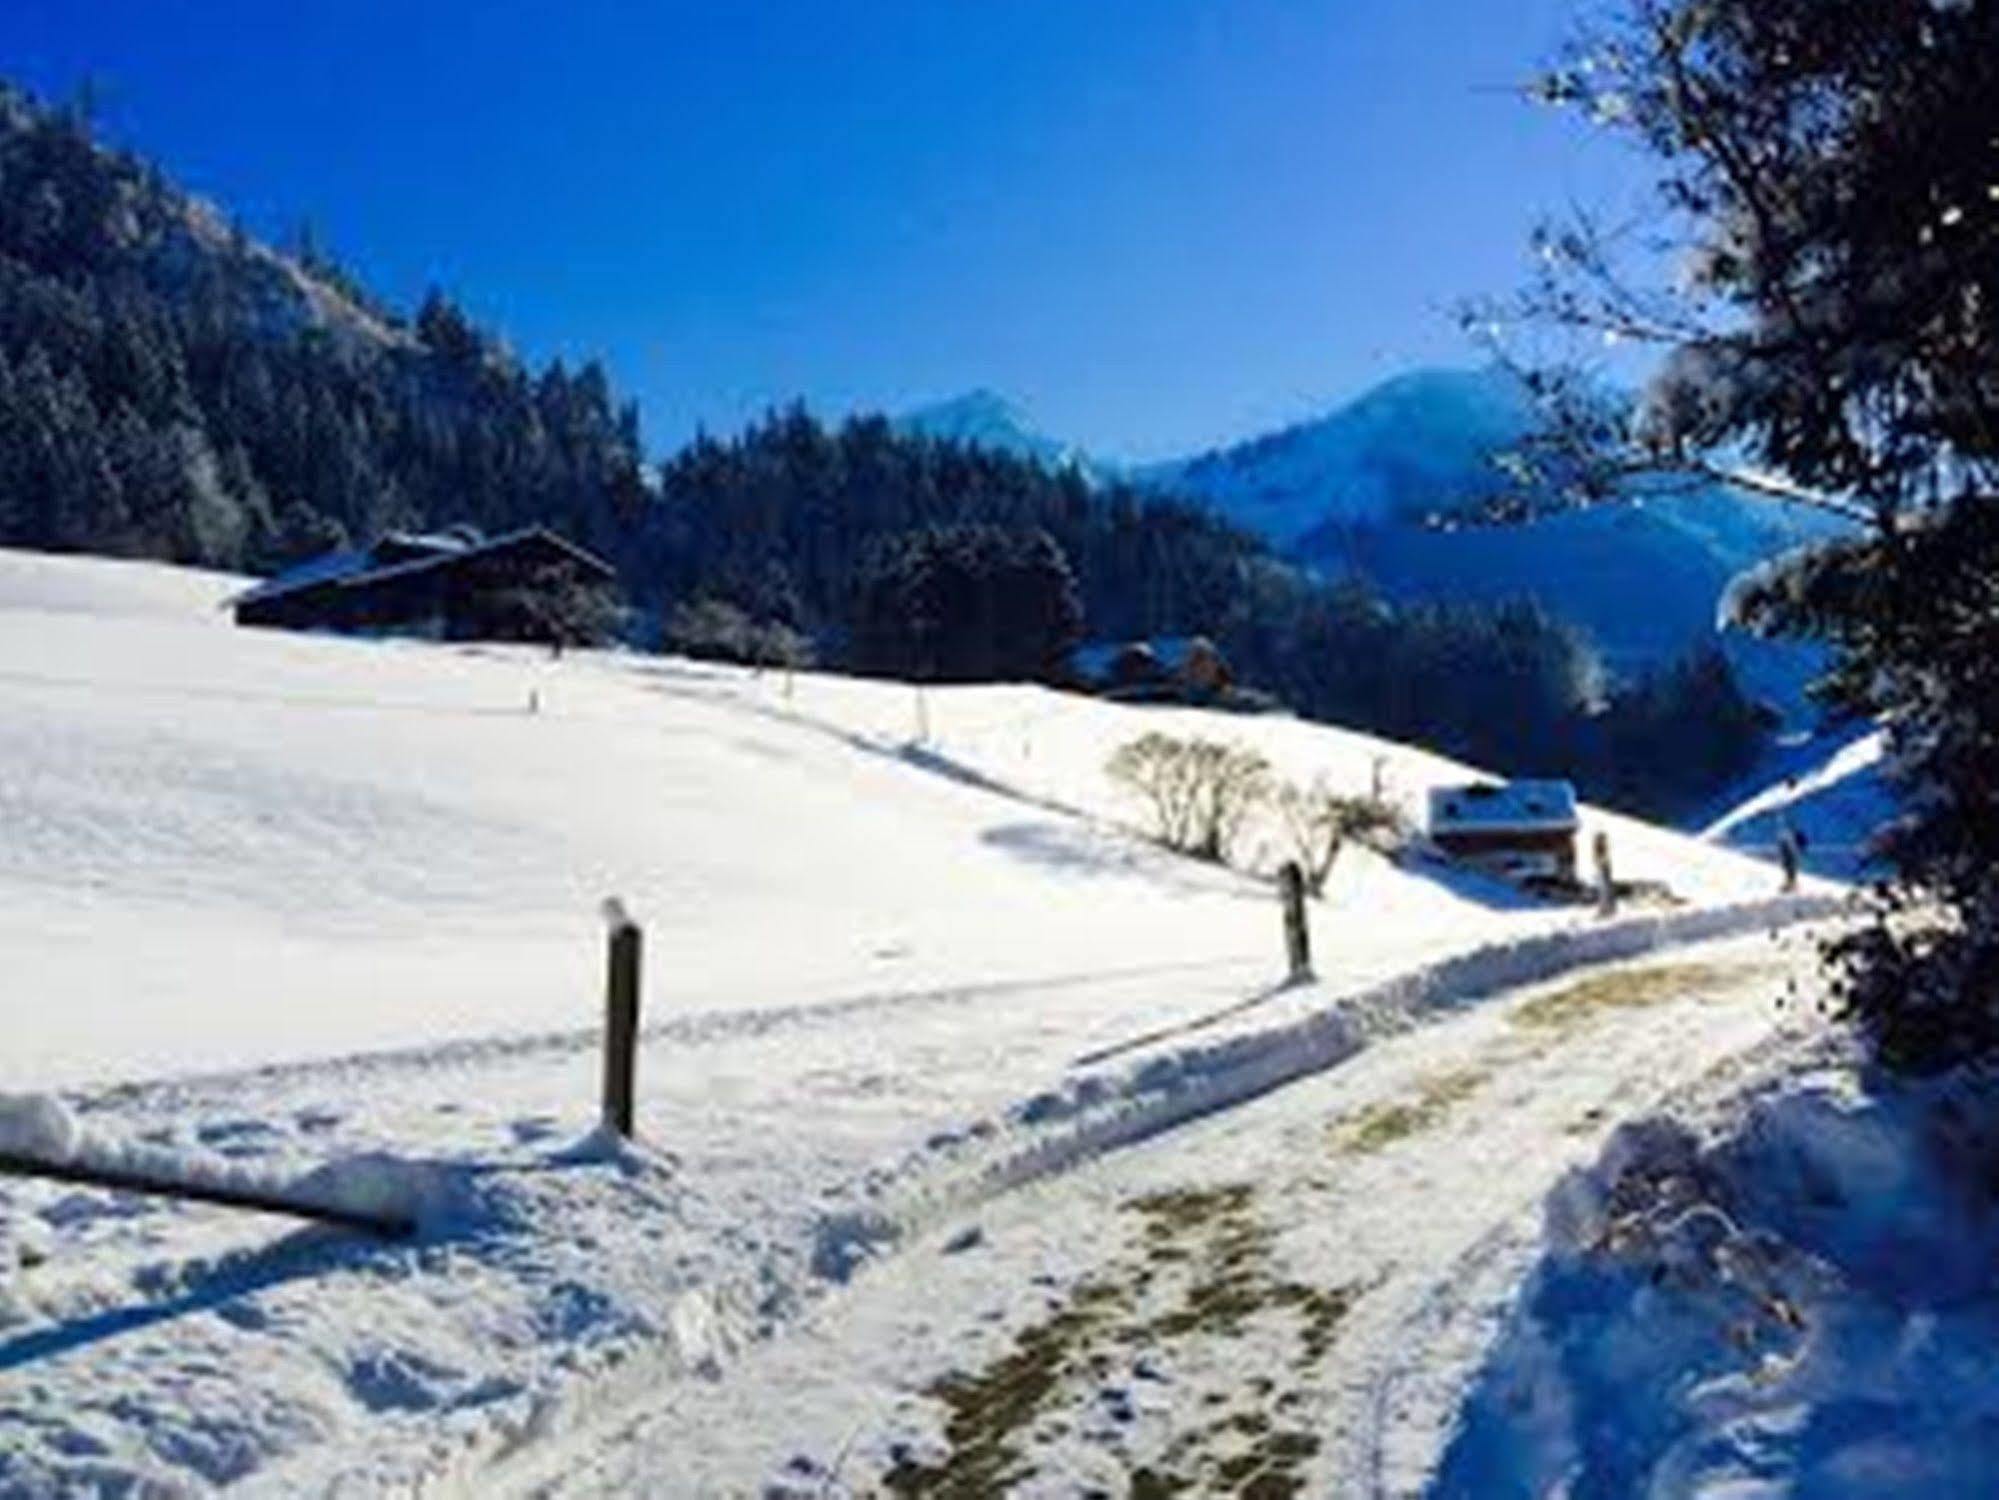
(1297, 935)
(1606, 881)
(1787, 856)
(621, 1020)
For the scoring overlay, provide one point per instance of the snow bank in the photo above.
(1799, 1301)
(38, 1126)
(367, 1186)
(1296, 1033)
(377, 1186)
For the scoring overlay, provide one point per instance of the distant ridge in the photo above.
(1373, 486)
(1417, 444)
(983, 418)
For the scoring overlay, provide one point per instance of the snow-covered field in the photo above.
(268, 901)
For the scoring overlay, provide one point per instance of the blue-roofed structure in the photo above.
(1520, 829)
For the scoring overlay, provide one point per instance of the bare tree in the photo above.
(1231, 781)
(1318, 822)
(1199, 792)
(1155, 767)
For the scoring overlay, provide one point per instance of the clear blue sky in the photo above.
(1155, 223)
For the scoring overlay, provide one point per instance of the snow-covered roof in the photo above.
(336, 564)
(1172, 652)
(401, 552)
(1503, 807)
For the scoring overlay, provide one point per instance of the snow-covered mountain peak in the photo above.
(984, 418)
(1419, 442)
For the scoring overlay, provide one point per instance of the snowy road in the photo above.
(1285, 1298)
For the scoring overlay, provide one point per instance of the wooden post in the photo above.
(1606, 881)
(1297, 935)
(621, 1019)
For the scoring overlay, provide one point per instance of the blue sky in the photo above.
(1156, 224)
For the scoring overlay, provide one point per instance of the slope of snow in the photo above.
(229, 847)
(33, 583)
(1836, 805)
(271, 901)
(390, 848)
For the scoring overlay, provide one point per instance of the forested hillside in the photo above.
(787, 522)
(172, 388)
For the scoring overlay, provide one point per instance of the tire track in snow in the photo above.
(1054, 1134)
(1410, 1403)
(1392, 1222)
(1093, 1114)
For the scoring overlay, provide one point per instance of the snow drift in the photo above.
(1797, 1298)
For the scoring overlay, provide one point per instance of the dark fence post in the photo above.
(621, 1020)
(1787, 856)
(1606, 881)
(1297, 935)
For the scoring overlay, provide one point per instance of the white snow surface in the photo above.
(1837, 806)
(230, 847)
(1787, 1292)
(1301, 1290)
(270, 902)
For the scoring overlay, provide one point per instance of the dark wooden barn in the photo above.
(450, 585)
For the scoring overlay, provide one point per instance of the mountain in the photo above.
(1416, 444)
(172, 388)
(1379, 487)
(1644, 579)
(985, 419)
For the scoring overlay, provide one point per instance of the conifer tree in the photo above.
(1828, 176)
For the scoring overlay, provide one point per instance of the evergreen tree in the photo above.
(1827, 168)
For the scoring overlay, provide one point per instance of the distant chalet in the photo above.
(1167, 668)
(448, 585)
(1520, 829)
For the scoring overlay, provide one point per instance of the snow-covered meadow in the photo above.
(270, 901)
